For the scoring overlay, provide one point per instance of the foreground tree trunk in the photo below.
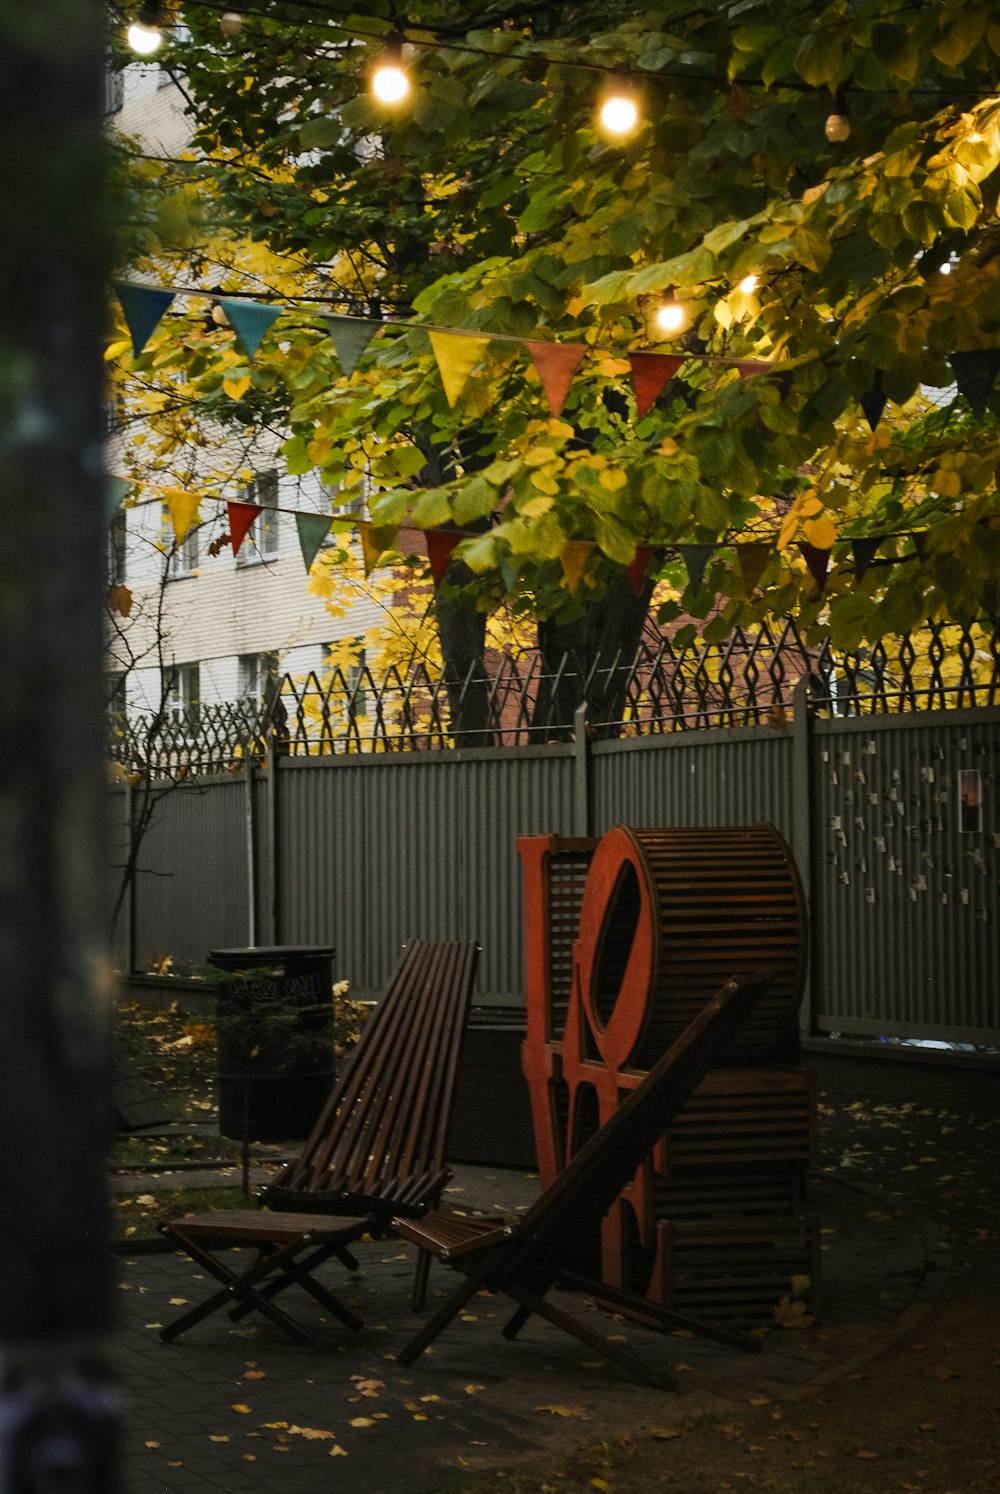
(54, 978)
(602, 644)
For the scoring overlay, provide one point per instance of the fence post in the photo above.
(582, 787)
(250, 847)
(803, 839)
(277, 748)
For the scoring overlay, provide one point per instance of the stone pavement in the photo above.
(239, 1406)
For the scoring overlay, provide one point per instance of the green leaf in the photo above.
(476, 500)
(818, 56)
(389, 508)
(811, 246)
(616, 542)
(850, 616)
(961, 36)
(432, 508)
(479, 554)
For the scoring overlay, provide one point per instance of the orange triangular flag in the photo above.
(440, 543)
(818, 562)
(574, 556)
(635, 574)
(457, 355)
(556, 363)
(241, 516)
(650, 372)
(753, 558)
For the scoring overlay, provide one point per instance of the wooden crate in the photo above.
(736, 1270)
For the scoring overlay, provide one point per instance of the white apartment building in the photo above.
(209, 628)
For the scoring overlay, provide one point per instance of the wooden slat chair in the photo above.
(525, 1259)
(376, 1152)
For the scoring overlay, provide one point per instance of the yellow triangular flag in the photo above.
(183, 509)
(574, 556)
(457, 355)
(375, 540)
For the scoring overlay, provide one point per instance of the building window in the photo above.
(257, 677)
(181, 694)
(182, 559)
(261, 542)
(117, 541)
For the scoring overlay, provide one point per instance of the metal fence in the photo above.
(882, 773)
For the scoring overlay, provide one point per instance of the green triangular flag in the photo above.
(250, 320)
(115, 489)
(313, 530)
(863, 550)
(975, 374)
(696, 558)
(142, 307)
(350, 336)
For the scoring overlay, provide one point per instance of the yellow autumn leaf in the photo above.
(800, 1284)
(599, 1483)
(241, 1408)
(948, 484)
(566, 1411)
(311, 1434)
(336, 1451)
(236, 388)
(115, 349)
(362, 1421)
(613, 478)
(821, 532)
(760, 1400)
(789, 1314)
(474, 1389)
(665, 1432)
(789, 525)
(217, 1437)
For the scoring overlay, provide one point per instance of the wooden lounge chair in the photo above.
(376, 1152)
(525, 1259)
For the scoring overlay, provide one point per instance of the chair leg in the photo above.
(420, 1278)
(418, 1343)
(239, 1286)
(285, 1278)
(512, 1328)
(661, 1380)
(664, 1317)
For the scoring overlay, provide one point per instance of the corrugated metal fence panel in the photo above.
(380, 849)
(192, 885)
(906, 920)
(697, 778)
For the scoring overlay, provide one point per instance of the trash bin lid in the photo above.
(268, 954)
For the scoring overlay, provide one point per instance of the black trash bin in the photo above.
(275, 1033)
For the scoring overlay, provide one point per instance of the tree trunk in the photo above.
(54, 971)
(601, 645)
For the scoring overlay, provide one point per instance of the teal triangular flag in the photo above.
(696, 558)
(863, 551)
(350, 336)
(250, 320)
(313, 530)
(115, 489)
(142, 306)
(975, 374)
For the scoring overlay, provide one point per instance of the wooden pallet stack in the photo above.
(627, 937)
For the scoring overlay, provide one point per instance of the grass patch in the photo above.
(135, 1216)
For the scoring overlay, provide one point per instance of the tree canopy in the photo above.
(840, 297)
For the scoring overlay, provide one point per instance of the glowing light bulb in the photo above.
(837, 127)
(389, 83)
(231, 24)
(748, 285)
(619, 114)
(670, 317)
(945, 269)
(219, 316)
(144, 39)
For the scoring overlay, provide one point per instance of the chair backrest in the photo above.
(384, 1128)
(590, 1182)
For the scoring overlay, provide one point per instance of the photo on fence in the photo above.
(970, 800)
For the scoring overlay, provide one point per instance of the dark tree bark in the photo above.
(54, 972)
(602, 644)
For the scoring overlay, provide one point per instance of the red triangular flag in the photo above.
(650, 372)
(241, 516)
(750, 366)
(818, 562)
(440, 543)
(635, 574)
(556, 363)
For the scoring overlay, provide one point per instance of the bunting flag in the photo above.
(142, 307)
(440, 543)
(313, 530)
(250, 320)
(374, 543)
(183, 509)
(920, 539)
(635, 574)
(818, 561)
(863, 552)
(574, 556)
(874, 402)
(115, 489)
(651, 372)
(751, 366)
(240, 516)
(556, 363)
(696, 558)
(350, 336)
(752, 558)
(457, 355)
(975, 374)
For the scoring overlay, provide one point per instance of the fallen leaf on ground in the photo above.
(860, 1454)
(474, 1389)
(336, 1451)
(665, 1432)
(565, 1411)
(254, 1374)
(245, 1410)
(311, 1434)
(362, 1421)
(760, 1400)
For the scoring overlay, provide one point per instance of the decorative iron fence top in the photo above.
(521, 700)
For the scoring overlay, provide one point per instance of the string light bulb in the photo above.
(218, 315)
(670, 316)
(619, 112)
(144, 34)
(837, 128)
(390, 82)
(231, 24)
(748, 285)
